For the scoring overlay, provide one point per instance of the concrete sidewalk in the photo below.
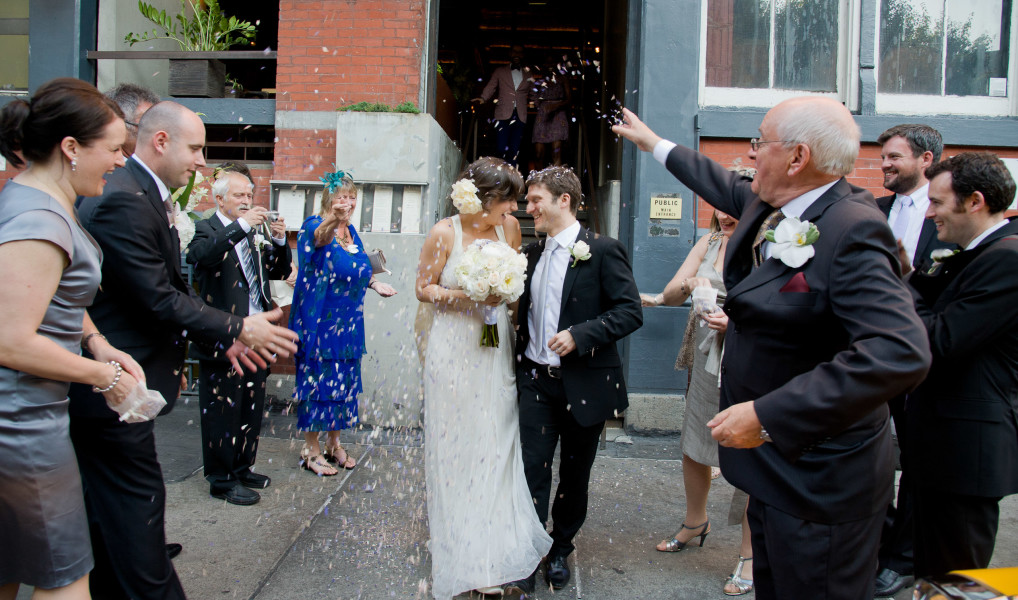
(363, 534)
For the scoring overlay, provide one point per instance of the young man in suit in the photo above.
(906, 152)
(963, 426)
(233, 264)
(822, 333)
(146, 307)
(579, 300)
(512, 85)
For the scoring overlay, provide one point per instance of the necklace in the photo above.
(346, 240)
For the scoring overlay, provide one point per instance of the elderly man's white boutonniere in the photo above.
(260, 241)
(579, 251)
(793, 241)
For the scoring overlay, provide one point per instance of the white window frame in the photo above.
(846, 80)
(929, 104)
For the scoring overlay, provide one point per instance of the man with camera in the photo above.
(235, 253)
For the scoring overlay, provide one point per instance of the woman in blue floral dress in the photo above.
(334, 274)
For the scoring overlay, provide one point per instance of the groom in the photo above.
(579, 300)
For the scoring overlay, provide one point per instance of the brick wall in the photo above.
(867, 173)
(333, 53)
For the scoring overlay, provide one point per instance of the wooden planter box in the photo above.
(203, 78)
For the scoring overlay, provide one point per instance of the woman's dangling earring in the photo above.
(74, 164)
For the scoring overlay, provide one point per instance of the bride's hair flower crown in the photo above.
(464, 197)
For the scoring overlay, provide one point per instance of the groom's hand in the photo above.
(563, 343)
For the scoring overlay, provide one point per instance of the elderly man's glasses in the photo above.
(755, 143)
(131, 123)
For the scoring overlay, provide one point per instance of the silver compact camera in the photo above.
(272, 215)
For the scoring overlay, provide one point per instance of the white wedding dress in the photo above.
(484, 528)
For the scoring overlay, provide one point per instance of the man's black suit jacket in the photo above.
(600, 305)
(220, 276)
(928, 241)
(144, 305)
(962, 420)
(819, 364)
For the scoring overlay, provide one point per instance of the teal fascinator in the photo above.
(334, 179)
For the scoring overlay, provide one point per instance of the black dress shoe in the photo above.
(173, 549)
(889, 583)
(254, 480)
(557, 572)
(238, 495)
(524, 586)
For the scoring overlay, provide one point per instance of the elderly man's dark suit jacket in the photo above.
(600, 305)
(962, 420)
(144, 306)
(220, 277)
(928, 241)
(820, 364)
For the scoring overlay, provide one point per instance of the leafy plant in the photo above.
(207, 30)
(403, 107)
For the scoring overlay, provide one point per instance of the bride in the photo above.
(484, 528)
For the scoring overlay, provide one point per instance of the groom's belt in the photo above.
(551, 370)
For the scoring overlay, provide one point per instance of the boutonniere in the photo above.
(793, 241)
(579, 251)
(260, 241)
(938, 257)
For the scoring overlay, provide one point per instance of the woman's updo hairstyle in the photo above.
(495, 179)
(60, 108)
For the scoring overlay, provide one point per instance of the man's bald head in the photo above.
(170, 142)
(823, 124)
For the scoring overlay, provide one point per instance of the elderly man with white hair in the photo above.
(233, 263)
(822, 333)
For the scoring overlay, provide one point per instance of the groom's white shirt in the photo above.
(557, 261)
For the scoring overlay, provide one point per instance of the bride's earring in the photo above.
(74, 164)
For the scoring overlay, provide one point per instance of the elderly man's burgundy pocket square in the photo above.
(796, 284)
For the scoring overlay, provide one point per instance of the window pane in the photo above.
(977, 45)
(911, 46)
(738, 34)
(806, 45)
(14, 46)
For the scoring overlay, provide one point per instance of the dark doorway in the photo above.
(580, 42)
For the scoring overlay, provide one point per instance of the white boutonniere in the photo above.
(940, 254)
(793, 241)
(579, 251)
(260, 241)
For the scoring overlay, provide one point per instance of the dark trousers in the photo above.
(953, 531)
(509, 137)
(126, 499)
(544, 421)
(231, 419)
(896, 537)
(794, 558)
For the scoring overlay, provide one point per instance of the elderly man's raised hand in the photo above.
(267, 339)
(634, 130)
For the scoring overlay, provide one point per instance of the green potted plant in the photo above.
(200, 26)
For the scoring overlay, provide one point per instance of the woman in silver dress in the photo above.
(702, 347)
(67, 136)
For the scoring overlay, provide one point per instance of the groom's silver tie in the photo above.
(542, 289)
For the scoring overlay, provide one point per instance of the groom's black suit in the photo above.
(820, 365)
(600, 305)
(144, 307)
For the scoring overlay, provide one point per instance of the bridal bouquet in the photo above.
(491, 268)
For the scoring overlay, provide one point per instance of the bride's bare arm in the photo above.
(434, 255)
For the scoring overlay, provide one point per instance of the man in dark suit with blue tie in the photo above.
(963, 420)
(233, 263)
(146, 307)
(822, 333)
(906, 152)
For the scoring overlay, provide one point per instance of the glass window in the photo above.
(779, 44)
(944, 47)
(14, 47)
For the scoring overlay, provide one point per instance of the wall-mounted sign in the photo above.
(666, 206)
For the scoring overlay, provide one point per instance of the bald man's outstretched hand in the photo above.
(634, 130)
(267, 339)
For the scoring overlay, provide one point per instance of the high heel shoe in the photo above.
(674, 545)
(744, 586)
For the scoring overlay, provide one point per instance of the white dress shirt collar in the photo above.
(797, 206)
(164, 192)
(982, 236)
(567, 236)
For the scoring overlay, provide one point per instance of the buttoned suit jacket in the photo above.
(928, 241)
(220, 276)
(820, 364)
(502, 79)
(144, 305)
(600, 306)
(962, 420)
